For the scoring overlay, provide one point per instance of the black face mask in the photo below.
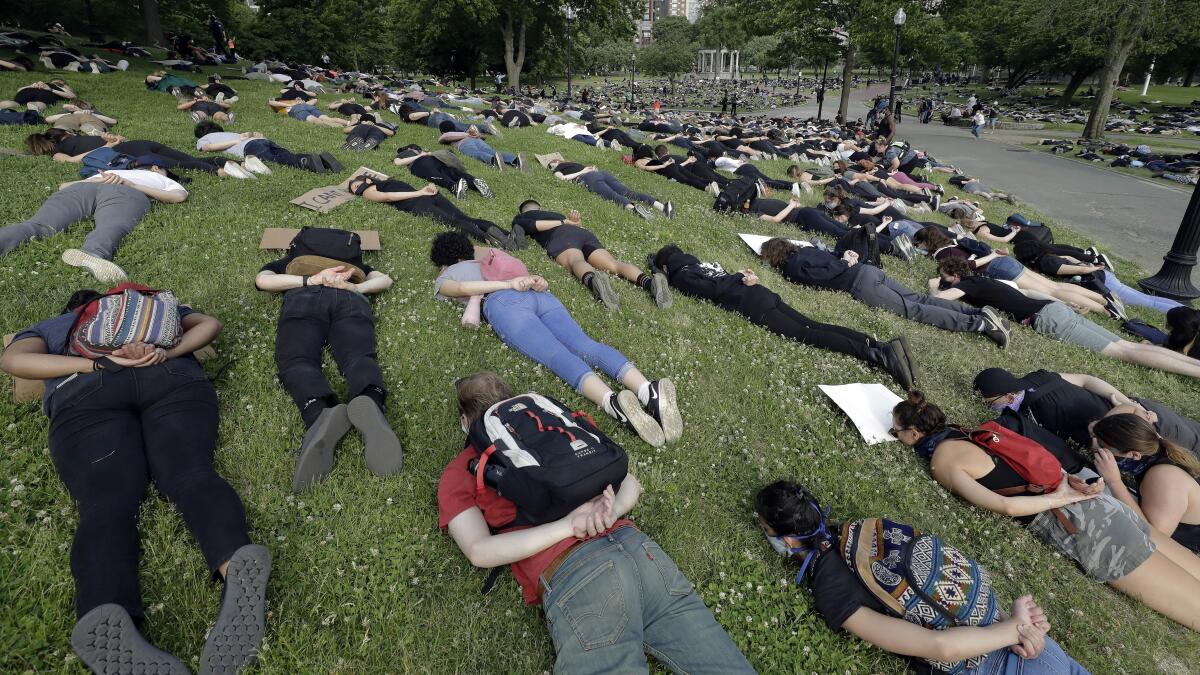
(362, 185)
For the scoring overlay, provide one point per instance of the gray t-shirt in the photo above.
(1173, 426)
(467, 270)
(238, 150)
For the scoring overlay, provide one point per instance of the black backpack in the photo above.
(863, 241)
(542, 457)
(737, 196)
(327, 242)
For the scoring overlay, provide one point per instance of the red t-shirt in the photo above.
(456, 493)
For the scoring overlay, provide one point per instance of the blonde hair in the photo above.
(1127, 432)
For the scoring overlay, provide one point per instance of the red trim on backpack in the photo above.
(580, 413)
(542, 428)
(479, 468)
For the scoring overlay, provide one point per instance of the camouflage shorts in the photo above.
(1112, 540)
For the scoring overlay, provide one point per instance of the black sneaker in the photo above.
(331, 162)
(996, 332)
(235, 638)
(669, 209)
(460, 190)
(660, 290)
(107, 641)
(1105, 260)
(313, 163)
(498, 237)
(484, 188)
(664, 408)
(1115, 308)
(603, 291)
(518, 238)
(318, 447)
(937, 202)
(628, 411)
(901, 364)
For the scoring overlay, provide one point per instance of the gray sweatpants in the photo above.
(875, 289)
(607, 186)
(115, 208)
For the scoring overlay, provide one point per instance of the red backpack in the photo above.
(1042, 471)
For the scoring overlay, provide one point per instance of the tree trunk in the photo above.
(1114, 63)
(1190, 75)
(154, 34)
(93, 31)
(1078, 77)
(514, 50)
(847, 79)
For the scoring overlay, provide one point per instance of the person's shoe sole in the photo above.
(668, 410)
(255, 165)
(602, 289)
(319, 446)
(1107, 262)
(642, 212)
(660, 290)
(107, 641)
(105, 271)
(331, 162)
(484, 188)
(384, 454)
(993, 315)
(313, 163)
(235, 638)
(643, 424)
(460, 190)
(669, 209)
(900, 345)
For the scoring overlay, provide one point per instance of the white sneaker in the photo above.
(713, 189)
(616, 146)
(105, 271)
(235, 170)
(255, 165)
(122, 65)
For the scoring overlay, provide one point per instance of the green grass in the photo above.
(364, 582)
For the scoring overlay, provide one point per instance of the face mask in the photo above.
(463, 424)
(831, 205)
(779, 545)
(1014, 405)
(1133, 467)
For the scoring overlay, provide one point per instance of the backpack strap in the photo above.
(481, 468)
(1036, 395)
(1020, 490)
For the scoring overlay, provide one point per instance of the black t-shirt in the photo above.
(568, 168)
(207, 107)
(78, 145)
(981, 291)
(351, 109)
(293, 94)
(528, 221)
(768, 207)
(24, 96)
(217, 88)
(1066, 410)
(837, 592)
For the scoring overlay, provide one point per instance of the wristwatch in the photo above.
(304, 279)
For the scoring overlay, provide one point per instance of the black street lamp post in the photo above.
(632, 80)
(570, 13)
(1174, 279)
(821, 91)
(898, 19)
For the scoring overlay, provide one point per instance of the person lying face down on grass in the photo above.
(325, 285)
(590, 563)
(796, 526)
(71, 147)
(144, 413)
(1048, 316)
(116, 200)
(607, 186)
(442, 168)
(251, 146)
(1166, 490)
(981, 259)
(1106, 538)
(579, 251)
(202, 107)
(528, 318)
(741, 293)
(870, 285)
(40, 95)
(430, 203)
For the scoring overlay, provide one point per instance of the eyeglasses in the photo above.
(895, 433)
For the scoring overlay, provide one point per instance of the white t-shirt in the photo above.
(979, 118)
(238, 150)
(145, 178)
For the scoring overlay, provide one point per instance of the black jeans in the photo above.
(442, 175)
(443, 210)
(315, 316)
(111, 434)
(765, 308)
(267, 151)
(173, 157)
(751, 171)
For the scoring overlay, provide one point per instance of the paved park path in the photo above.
(1137, 218)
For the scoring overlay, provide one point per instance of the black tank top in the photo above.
(1001, 477)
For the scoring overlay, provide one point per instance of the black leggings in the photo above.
(702, 170)
(441, 175)
(443, 210)
(111, 435)
(765, 308)
(686, 177)
(620, 137)
(751, 171)
(816, 220)
(180, 159)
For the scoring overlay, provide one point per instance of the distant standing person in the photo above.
(733, 104)
(977, 122)
(217, 30)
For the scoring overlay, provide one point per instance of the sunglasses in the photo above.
(895, 433)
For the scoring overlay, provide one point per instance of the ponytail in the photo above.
(1180, 457)
(1127, 432)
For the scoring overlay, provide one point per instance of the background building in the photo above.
(659, 9)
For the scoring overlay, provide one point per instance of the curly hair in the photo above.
(777, 251)
(449, 248)
(955, 267)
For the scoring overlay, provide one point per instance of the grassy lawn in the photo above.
(364, 581)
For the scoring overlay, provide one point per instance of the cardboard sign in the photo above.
(32, 390)
(756, 241)
(544, 160)
(328, 198)
(281, 238)
(869, 407)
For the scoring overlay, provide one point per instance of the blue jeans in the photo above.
(906, 227)
(619, 597)
(480, 150)
(435, 120)
(1053, 661)
(1004, 268)
(585, 138)
(607, 186)
(1132, 296)
(536, 324)
(975, 129)
(303, 111)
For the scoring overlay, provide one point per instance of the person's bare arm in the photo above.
(944, 293)
(376, 282)
(956, 479)
(465, 289)
(199, 330)
(1097, 386)
(27, 358)
(908, 639)
(783, 213)
(185, 105)
(573, 176)
(164, 196)
(375, 195)
(72, 159)
(1071, 270)
(874, 210)
(453, 137)
(405, 161)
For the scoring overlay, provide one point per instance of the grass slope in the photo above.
(364, 581)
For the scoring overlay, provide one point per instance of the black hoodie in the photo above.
(811, 266)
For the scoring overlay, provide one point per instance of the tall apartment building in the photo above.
(658, 9)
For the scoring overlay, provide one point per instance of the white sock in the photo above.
(643, 393)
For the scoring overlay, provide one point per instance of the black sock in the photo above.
(375, 393)
(587, 279)
(643, 280)
(312, 409)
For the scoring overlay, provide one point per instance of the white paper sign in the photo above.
(756, 241)
(869, 407)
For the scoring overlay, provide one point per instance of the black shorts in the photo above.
(1049, 264)
(566, 237)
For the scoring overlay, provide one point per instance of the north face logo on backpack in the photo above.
(518, 407)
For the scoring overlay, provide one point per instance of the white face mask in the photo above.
(780, 546)
(462, 422)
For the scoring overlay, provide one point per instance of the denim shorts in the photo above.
(1111, 540)
(1004, 268)
(303, 111)
(1058, 321)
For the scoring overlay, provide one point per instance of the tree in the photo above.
(674, 29)
(154, 32)
(669, 59)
